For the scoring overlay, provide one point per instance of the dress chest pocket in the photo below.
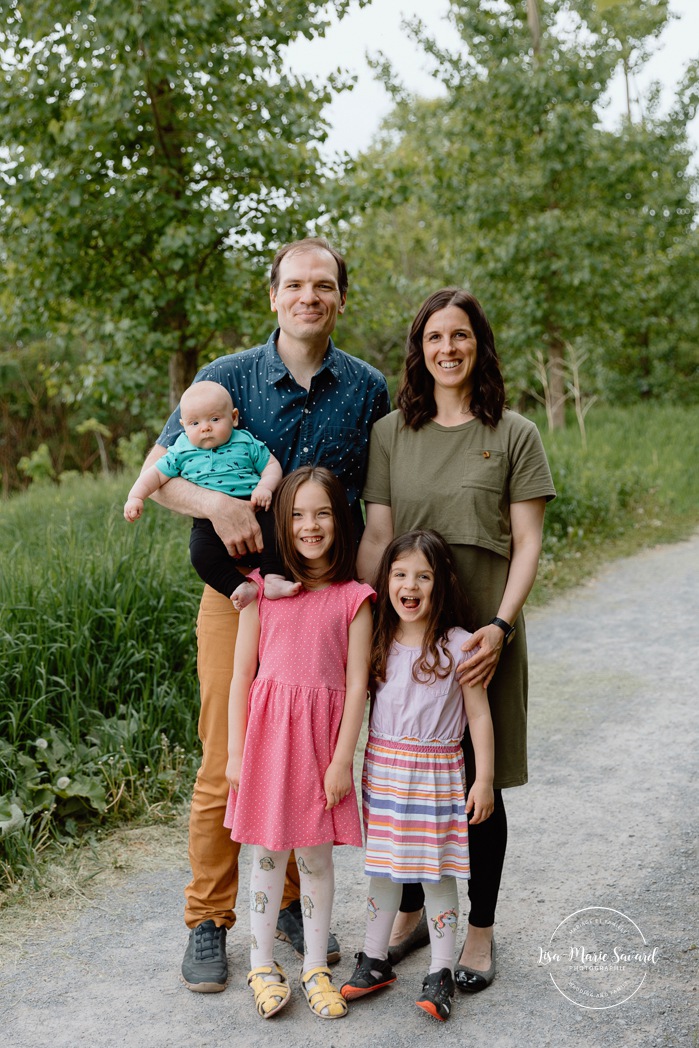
(486, 470)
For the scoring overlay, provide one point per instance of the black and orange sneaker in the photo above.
(369, 975)
(437, 992)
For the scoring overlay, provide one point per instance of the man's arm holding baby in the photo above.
(234, 520)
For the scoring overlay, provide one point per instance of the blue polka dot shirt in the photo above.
(326, 425)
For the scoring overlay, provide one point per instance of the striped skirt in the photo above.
(414, 810)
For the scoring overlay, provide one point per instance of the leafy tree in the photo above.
(150, 154)
(46, 398)
(565, 231)
(398, 247)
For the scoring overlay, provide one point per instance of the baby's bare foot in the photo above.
(243, 595)
(277, 586)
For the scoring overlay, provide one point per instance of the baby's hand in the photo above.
(133, 509)
(277, 586)
(481, 800)
(261, 497)
(243, 595)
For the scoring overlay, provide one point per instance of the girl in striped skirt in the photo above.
(413, 784)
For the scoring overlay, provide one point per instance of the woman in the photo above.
(454, 460)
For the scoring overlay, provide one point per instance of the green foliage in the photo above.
(569, 234)
(151, 157)
(59, 777)
(131, 451)
(593, 504)
(634, 486)
(399, 247)
(38, 466)
(97, 664)
(47, 393)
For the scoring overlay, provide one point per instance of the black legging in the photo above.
(486, 844)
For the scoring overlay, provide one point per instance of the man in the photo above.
(311, 404)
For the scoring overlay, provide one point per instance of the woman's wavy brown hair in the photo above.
(448, 607)
(416, 390)
(343, 551)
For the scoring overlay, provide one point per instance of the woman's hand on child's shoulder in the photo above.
(337, 783)
(482, 651)
(481, 801)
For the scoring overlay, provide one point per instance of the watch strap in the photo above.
(506, 628)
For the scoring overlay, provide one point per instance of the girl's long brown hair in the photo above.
(448, 607)
(343, 551)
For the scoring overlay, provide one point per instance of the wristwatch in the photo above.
(508, 630)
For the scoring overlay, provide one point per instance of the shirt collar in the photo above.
(277, 369)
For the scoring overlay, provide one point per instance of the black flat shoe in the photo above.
(419, 936)
(471, 981)
(290, 929)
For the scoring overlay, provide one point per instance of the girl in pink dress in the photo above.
(296, 706)
(415, 811)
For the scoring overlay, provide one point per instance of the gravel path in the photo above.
(609, 819)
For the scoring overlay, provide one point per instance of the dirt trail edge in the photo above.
(608, 820)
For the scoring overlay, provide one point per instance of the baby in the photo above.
(214, 454)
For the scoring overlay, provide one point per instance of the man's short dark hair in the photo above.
(310, 244)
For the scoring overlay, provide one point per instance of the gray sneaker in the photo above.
(205, 965)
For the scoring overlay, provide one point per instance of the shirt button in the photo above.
(305, 449)
(306, 411)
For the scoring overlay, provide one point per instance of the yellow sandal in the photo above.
(270, 996)
(324, 999)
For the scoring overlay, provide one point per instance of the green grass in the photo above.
(98, 688)
(97, 664)
(636, 485)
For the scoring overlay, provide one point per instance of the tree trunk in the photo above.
(182, 367)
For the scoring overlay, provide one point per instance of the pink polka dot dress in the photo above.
(294, 712)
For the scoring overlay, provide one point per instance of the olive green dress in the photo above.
(460, 481)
